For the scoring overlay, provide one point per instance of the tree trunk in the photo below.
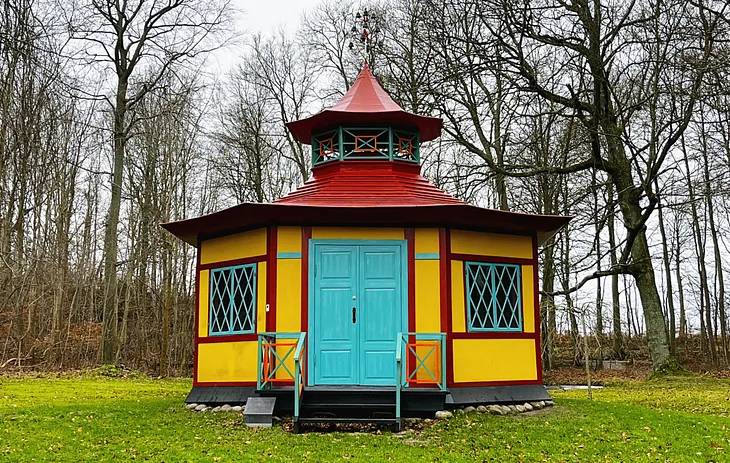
(642, 268)
(110, 340)
(618, 343)
(719, 277)
(678, 275)
(705, 306)
(668, 275)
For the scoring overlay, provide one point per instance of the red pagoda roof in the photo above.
(368, 184)
(361, 192)
(365, 103)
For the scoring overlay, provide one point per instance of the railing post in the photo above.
(398, 380)
(442, 340)
(259, 365)
(298, 379)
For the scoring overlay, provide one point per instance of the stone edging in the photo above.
(221, 408)
(498, 409)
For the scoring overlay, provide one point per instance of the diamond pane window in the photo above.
(493, 296)
(233, 300)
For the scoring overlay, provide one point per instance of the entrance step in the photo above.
(259, 412)
(394, 423)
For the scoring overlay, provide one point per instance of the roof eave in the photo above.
(247, 216)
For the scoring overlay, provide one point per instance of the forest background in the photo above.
(614, 111)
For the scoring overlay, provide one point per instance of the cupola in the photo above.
(365, 124)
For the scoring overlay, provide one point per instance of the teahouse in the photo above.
(368, 292)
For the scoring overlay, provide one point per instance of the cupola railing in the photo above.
(386, 143)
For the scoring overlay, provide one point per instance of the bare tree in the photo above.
(141, 43)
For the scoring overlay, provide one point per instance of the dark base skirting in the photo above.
(220, 395)
(484, 395)
(417, 402)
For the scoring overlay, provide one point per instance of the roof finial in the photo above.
(366, 34)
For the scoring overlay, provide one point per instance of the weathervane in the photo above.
(366, 34)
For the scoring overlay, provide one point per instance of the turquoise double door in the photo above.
(357, 308)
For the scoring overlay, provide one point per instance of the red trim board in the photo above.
(536, 297)
(271, 254)
(492, 259)
(197, 313)
(306, 236)
(228, 338)
(410, 236)
(232, 262)
(494, 335)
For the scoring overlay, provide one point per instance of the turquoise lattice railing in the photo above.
(420, 359)
(276, 354)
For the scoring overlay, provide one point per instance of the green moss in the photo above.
(107, 419)
(670, 368)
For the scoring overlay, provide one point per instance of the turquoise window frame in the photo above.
(234, 323)
(495, 309)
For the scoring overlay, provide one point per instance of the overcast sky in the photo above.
(261, 16)
(266, 15)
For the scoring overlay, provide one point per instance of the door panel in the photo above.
(381, 312)
(335, 343)
(360, 352)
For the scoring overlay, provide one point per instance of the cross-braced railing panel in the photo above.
(417, 369)
(420, 350)
(275, 356)
(277, 352)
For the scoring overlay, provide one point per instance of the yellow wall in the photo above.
(494, 360)
(204, 298)
(289, 278)
(428, 307)
(491, 244)
(474, 360)
(289, 239)
(428, 296)
(288, 294)
(362, 233)
(236, 246)
(458, 298)
(528, 299)
(227, 361)
(261, 298)
(427, 240)
(203, 304)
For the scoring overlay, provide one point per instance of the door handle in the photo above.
(354, 316)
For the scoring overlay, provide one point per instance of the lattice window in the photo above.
(366, 143)
(493, 294)
(233, 300)
(325, 146)
(405, 145)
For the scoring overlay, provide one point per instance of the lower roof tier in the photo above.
(248, 216)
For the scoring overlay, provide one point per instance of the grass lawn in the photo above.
(103, 419)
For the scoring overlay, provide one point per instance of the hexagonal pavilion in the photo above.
(368, 291)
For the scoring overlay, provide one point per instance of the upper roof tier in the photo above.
(365, 103)
(365, 183)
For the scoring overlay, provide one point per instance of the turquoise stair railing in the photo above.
(420, 359)
(276, 353)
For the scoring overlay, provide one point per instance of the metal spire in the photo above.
(366, 33)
